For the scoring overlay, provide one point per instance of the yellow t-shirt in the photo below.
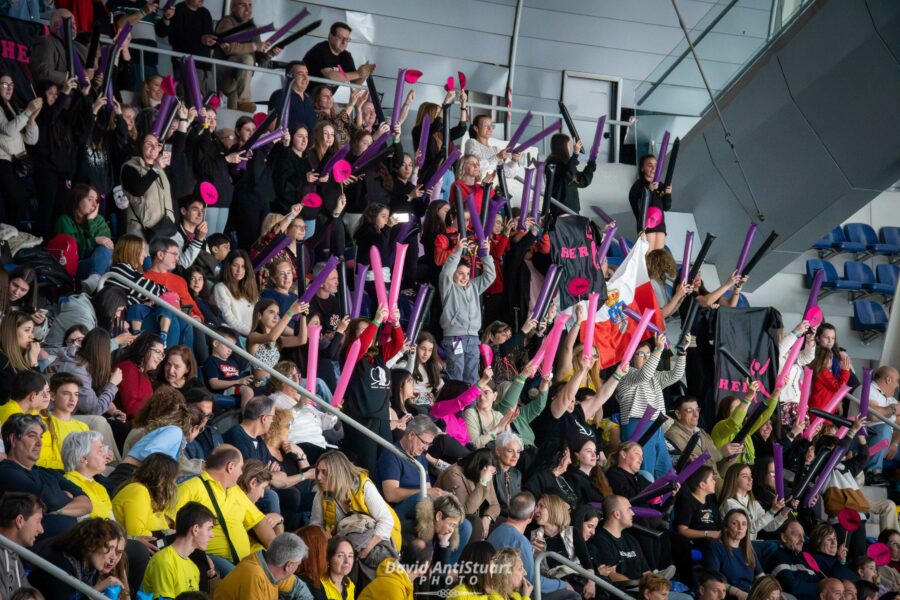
(133, 510)
(9, 409)
(51, 453)
(239, 512)
(168, 575)
(102, 505)
(251, 579)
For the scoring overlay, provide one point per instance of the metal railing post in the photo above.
(190, 321)
(539, 559)
(51, 569)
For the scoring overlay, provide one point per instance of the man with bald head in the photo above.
(48, 56)
(618, 552)
(881, 400)
(788, 565)
(831, 589)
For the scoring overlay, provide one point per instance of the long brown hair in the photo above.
(745, 544)
(165, 403)
(129, 249)
(9, 343)
(729, 488)
(95, 356)
(157, 473)
(245, 288)
(824, 356)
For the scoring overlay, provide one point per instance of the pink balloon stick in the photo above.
(344, 379)
(378, 274)
(312, 357)
(397, 276)
(637, 336)
(588, 351)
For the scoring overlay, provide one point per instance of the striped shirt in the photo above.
(132, 274)
(642, 388)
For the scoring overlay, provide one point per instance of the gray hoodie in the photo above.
(89, 402)
(12, 575)
(461, 314)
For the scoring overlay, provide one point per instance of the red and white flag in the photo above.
(629, 286)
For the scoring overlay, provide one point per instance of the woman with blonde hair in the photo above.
(508, 576)
(151, 91)
(554, 531)
(343, 489)
(128, 257)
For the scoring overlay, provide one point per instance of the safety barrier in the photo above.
(602, 583)
(51, 569)
(322, 404)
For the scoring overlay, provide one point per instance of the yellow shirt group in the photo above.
(239, 512)
(102, 505)
(168, 574)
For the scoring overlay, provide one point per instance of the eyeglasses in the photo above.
(426, 444)
(689, 411)
(172, 252)
(7, 84)
(642, 354)
(157, 351)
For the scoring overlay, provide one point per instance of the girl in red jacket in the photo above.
(826, 383)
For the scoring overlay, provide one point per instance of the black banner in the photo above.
(574, 242)
(750, 335)
(16, 39)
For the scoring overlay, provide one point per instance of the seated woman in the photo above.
(472, 482)
(140, 506)
(84, 457)
(294, 463)
(442, 522)
(737, 493)
(237, 292)
(128, 261)
(178, 369)
(483, 423)
(509, 580)
(309, 425)
(733, 556)
(91, 364)
(85, 552)
(267, 336)
(22, 295)
(91, 232)
(106, 310)
(140, 359)
(554, 533)
(344, 488)
(581, 473)
(546, 476)
(831, 557)
(18, 350)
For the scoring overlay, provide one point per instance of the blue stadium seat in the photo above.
(841, 244)
(862, 233)
(859, 271)
(869, 318)
(742, 299)
(832, 281)
(888, 275)
(825, 246)
(891, 235)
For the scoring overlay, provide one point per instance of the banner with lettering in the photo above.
(750, 335)
(573, 248)
(16, 39)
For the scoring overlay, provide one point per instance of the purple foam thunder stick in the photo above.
(526, 195)
(519, 132)
(661, 157)
(598, 137)
(745, 249)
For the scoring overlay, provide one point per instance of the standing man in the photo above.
(324, 58)
(302, 110)
(189, 27)
(236, 82)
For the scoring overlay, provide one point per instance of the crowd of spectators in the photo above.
(148, 460)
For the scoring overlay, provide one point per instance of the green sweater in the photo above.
(527, 413)
(724, 431)
(85, 234)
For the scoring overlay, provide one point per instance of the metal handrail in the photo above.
(228, 64)
(872, 413)
(538, 113)
(539, 559)
(423, 475)
(51, 569)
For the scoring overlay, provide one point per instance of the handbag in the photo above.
(166, 228)
(23, 165)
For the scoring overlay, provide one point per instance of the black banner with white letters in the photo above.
(16, 39)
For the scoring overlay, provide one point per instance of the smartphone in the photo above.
(167, 148)
(401, 217)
